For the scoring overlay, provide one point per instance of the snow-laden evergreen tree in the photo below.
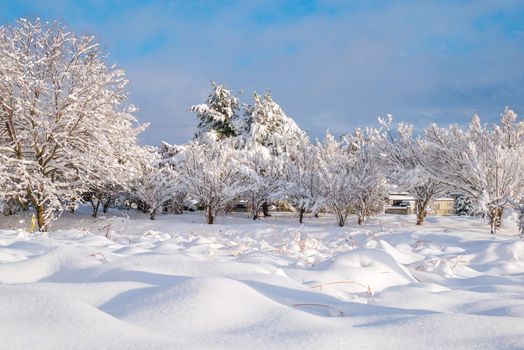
(463, 206)
(63, 111)
(521, 219)
(218, 115)
(302, 175)
(158, 184)
(265, 124)
(213, 173)
(403, 157)
(518, 206)
(485, 163)
(269, 126)
(336, 171)
(368, 184)
(264, 177)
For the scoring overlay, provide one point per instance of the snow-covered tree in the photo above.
(265, 124)
(213, 173)
(218, 115)
(157, 185)
(368, 184)
(264, 177)
(302, 174)
(518, 206)
(520, 209)
(62, 113)
(336, 172)
(486, 164)
(269, 126)
(463, 206)
(106, 186)
(403, 157)
(8, 201)
(169, 155)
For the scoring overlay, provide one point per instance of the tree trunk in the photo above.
(95, 208)
(40, 211)
(521, 222)
(495, 219)
(255, 206)
(421, 212)
(40, 218)
(341, 220)
(210, 217)
(360, 219)
(140, 205)
(301, 214)
(265, 209)
(152, 214)
(106, 204)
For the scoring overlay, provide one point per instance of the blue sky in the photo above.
(330, 64)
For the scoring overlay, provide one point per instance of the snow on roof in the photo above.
(403, 197)
(407, 197)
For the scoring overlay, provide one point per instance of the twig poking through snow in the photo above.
(101, 255)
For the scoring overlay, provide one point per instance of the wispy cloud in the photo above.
(330, 64)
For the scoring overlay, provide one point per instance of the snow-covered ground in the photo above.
(121, 282)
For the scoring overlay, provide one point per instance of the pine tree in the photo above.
(463, 206)
(269, 126)
(216, 117)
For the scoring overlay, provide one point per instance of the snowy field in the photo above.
(121, 282)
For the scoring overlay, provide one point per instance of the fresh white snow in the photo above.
(126, 282)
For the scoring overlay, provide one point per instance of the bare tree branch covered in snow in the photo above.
(264, 177)
(403, 157)
(157, 184)
(335, 168)
(368, 184)
(302, 174)
(484, 163)
(63, 114)
(213, 174)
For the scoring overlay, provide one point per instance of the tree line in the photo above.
(68, 136)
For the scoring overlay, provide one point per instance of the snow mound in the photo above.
(211, 303)
(58, 264)
(360, 271)
(53, 321)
